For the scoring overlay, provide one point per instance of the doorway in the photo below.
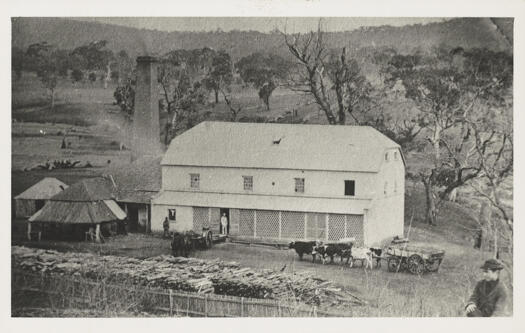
(227, 212)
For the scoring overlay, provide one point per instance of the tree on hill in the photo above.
(264, 71)
(220, 74)
(182, 92)
(332, 78)
(48, 63)
(77, 75)
(450, 95)
(97, 57)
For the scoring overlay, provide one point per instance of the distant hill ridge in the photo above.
(495, 34)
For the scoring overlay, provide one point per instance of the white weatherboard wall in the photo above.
(385, 218)
(184, 217)
(267, 181)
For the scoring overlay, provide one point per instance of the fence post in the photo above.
(187, 305)
(171, 302)
(206, 305)
(242, 306)
(315, 311)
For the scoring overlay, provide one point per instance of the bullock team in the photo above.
(344, 250)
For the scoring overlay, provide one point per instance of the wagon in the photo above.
(415, 259)
(204, 240)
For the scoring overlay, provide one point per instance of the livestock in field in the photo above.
(302, 248)
(343, 250)
(181, 245)
(362, 254)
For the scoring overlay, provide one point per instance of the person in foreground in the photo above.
(489, 296)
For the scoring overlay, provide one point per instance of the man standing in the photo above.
(224, 224)
(489, 296)
(166, 226)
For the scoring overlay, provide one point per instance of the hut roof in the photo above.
(79, 212)
(92, 189)
(43, 190)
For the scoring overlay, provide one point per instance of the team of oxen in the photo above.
(342, 249)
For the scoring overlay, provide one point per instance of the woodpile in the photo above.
(187, 274)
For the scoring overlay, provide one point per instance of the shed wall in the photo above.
(24, 208)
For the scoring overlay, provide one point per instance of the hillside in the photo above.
(465, 32)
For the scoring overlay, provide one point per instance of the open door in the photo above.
(225, 212)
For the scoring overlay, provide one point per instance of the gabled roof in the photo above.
(43, 190)
(280, 146)
(79, 212)
(138, 181)
(91, 189)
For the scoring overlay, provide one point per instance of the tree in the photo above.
(329, 76)
(77, 75)
(92, 77)
(125, 98)
(17, 61)
(448, 95)
(47, 62)
(220, 74)
(264, 71)
(96, 57)
(183, 93)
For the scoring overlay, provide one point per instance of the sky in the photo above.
(263, 24)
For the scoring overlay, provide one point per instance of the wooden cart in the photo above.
(415, 259)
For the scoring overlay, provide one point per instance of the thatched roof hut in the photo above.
(88, 202)
(31, 200)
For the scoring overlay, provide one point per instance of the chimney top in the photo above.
(146, 59)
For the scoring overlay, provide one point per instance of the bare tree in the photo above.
(331, 78)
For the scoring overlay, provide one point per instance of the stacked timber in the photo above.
(186, 274)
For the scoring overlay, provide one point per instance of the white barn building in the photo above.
(283, 182)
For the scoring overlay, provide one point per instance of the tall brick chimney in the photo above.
(146, 131)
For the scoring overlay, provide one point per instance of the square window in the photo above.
(299, 185)
(350, 187)
(248, 182)
(194, 180)
(172, 214)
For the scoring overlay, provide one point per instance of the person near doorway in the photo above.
(224, 224)
(166, 226)
(489, 296)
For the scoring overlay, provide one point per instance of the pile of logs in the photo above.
(187, 274)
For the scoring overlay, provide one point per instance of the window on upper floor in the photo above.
(248, 182)
(195, 180)
(386, 187)
(350, 187)
(299, 185)
(395, 155)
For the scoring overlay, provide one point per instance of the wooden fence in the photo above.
(69, 292)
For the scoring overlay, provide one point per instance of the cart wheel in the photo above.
(433, 265)
(393, 264)
(209, 240)
(416, 264)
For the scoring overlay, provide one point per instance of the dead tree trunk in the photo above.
(431, 211)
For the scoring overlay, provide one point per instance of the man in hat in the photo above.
(489, 296)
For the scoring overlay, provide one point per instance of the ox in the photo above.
(343, 250)
(303, 247)
(181, 245)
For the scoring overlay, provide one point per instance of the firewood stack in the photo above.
(187, 274)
